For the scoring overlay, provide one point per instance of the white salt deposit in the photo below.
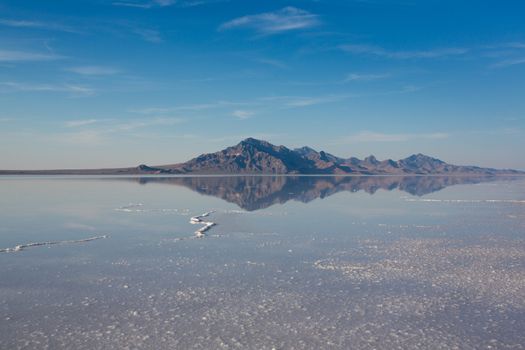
(138, 208)
(131, 207)
(21, 247)
(198, 220)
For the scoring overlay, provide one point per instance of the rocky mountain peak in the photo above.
(255, 156)
(371, 159)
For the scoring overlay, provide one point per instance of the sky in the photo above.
(111, 83)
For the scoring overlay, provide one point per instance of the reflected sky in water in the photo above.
(294, 262)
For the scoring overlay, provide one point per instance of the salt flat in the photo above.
(342, 269)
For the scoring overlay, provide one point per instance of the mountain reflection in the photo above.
(259, 192)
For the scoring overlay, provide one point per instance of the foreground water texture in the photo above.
(262, 263)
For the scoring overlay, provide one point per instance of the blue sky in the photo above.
(117, 83)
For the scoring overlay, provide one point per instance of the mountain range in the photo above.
(252, 156)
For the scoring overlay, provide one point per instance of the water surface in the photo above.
(292, 263)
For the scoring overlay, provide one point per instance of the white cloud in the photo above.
(310, 101)
(509, 62)
(305, 101)
(24, 56)
(379, 51)
(20, 23)
(36, 24)
(150, 35)
(283, 20)
(93, 70)
(242, 114)
(195, 107)
(271, 62)
(365, 77)
(164, 3)
(77, 123)
(145, 4)
(369, 136)
(75, 90)
(143, 123)
(90, 135)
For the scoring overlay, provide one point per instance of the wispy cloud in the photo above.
(21, 23)
(144, 123)
(509, 62)
(516, 45)
(283, 20)
(242, 114)
(78, 123)
(506, 54)
(272, 62)
(86, 133)
(148, 4)
(75, 90)
(193, 3)
(36, 25)
(365, 77)
(93, 70)
(306, 101)
(145, 4)
(310, 101)
(25, 56)
(150, 35)
(193, 107)
(369, 136)
(382, 52)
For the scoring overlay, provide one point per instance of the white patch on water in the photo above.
(131, 207)
(21, 247)
(236, 212)
(137, 208)
(198, 220)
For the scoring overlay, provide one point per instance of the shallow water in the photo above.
(291, 263)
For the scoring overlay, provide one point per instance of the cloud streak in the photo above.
(79, 123)
(84, 132)
(242, 114)
(280, 21)
(92, 70)
(509, 62)
(145, 4)
(271, 62)
(36, 25)
(150, 35)
(25, 56)
(164, 3)
(194, 107)
(365, 77)
(403, 55)
(75, 90)
(306, 101)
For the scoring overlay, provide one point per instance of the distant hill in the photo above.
(252, 156)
